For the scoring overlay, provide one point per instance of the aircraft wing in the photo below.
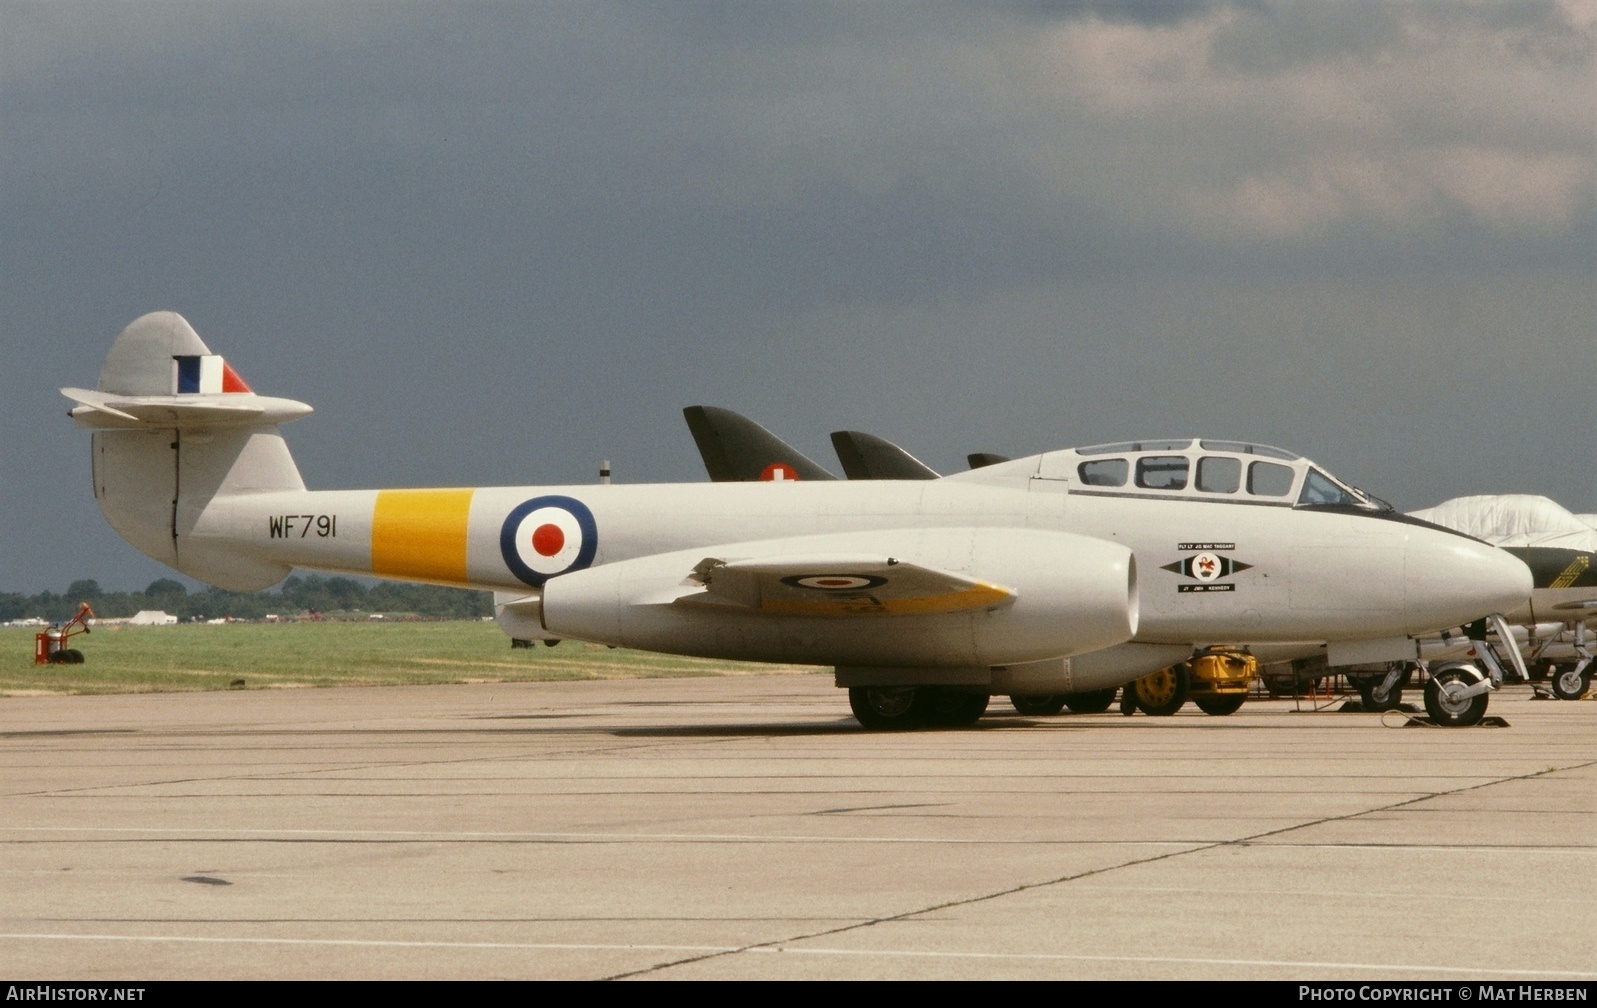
(838, 585)
(866, 456)
(735, 449)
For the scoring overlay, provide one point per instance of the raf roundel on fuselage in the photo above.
(546, 536)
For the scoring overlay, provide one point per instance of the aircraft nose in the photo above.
(1453, 580)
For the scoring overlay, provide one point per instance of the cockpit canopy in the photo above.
(1213, 470)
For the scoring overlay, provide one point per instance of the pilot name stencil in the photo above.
(1206, 567)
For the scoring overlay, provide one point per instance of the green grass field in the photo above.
(124, 659)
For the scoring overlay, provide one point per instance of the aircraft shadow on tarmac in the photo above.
(846, 726)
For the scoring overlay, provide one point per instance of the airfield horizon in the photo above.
(249, 655)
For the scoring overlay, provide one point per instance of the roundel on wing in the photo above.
(835, 582)
(547, 536)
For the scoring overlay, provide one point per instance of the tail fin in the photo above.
(735, 449)
(175, 429)
(868, 457)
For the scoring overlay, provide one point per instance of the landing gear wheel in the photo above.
(1165, 691)
(1569, 684)
(948, 708)
(1367, 698)
(1443, 709)
(1220, 706)
(1040, 703)
(885, 708)
(1091, 702)
(73, 656)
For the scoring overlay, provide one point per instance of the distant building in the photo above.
(152, 617)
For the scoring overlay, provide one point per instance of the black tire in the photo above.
(1220, 706)
(1039, 703)
(1567, 685)
(949, 708)
(886, 708)
(1459, 714)
(73, 656)
(1090, 702)
(58, 658)
(1367, 699)
(1165, 691)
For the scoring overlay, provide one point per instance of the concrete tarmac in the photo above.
(747, 828)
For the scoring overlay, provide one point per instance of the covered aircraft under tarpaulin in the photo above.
(1066, 571)
(1556, 624)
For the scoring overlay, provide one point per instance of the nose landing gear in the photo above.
(1570, 682)
(1457, 692)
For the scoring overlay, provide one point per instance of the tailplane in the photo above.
(176, 428)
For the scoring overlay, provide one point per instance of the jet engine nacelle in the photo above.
(1040, 594)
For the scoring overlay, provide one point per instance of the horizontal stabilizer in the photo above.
(226, 409)
(839, 585)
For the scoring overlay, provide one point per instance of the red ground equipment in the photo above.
(50, 646)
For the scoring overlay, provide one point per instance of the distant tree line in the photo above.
(298, 594)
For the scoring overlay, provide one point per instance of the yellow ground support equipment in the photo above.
(1217, 681)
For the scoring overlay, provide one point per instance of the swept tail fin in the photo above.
(735, 449)
(866, 456)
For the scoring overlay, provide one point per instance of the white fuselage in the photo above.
(1302, 575)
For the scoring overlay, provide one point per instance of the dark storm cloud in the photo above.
(1145, 12)
(495, 243)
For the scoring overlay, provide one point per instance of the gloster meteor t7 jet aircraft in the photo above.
(1068, 571)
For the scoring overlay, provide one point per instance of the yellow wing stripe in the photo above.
(979, 596)
(420, 535)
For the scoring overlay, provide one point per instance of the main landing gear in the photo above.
(1087, 702)
(1385, 693)
(904, 707)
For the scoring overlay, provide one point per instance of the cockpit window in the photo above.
(1162, 472)
(1118, 447)
(1244, 448)
(1219, 474)
(1104, 472)
(1266, 479)
(1318, 489)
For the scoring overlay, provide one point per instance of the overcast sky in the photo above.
(496, 243)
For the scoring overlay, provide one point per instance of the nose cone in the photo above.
(1453, 580)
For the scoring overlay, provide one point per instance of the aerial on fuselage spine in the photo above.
(1061, 572)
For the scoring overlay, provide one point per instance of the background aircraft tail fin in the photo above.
(176, 430)
(736, 449)
(866, 456)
